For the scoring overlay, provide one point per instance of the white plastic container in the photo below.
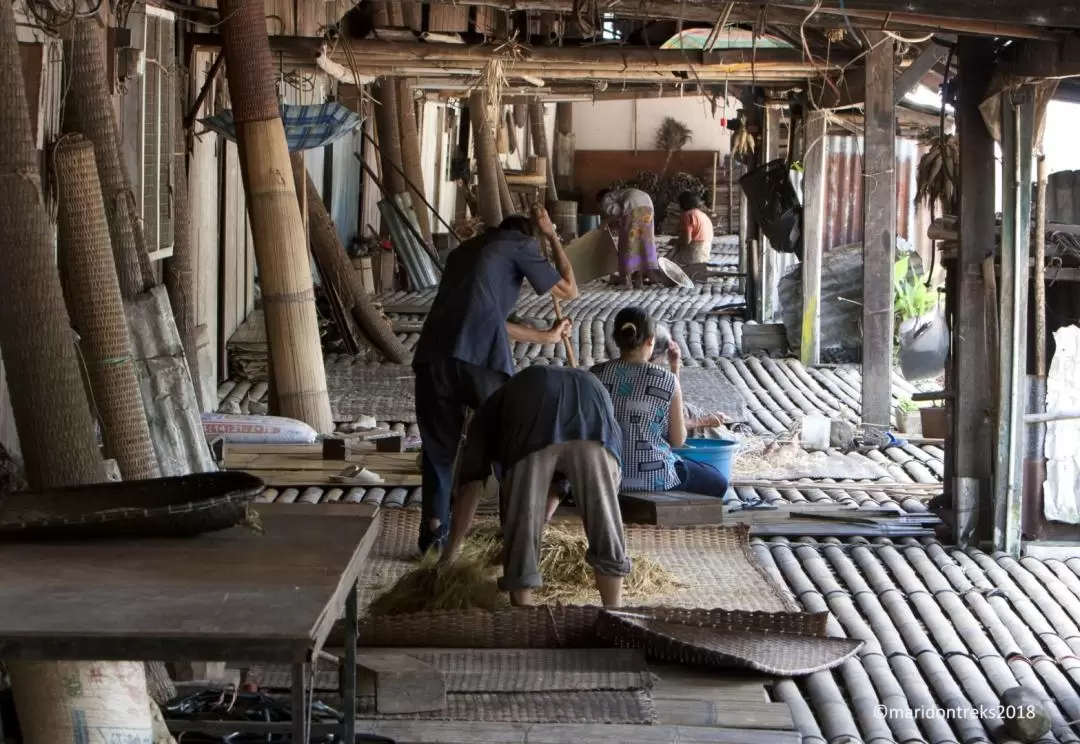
(815, 434)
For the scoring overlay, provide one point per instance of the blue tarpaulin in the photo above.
(306, 127)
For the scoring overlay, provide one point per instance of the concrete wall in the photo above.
(614, 125)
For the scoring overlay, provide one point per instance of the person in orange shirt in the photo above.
(694, 245)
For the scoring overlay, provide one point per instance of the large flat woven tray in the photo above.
(163, 507)
(558, 627)
(385, 391)
(592, 706)
(471, 670)
(715, 565)
(779, 653)
(710, 391)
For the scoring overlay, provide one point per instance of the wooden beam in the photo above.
(879, 232)
(376, 51)
(1042, 14)
(907, 80)
(971, 441)
(813, 236)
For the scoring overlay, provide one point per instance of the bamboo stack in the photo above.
(488, 170)
(91, 114)
(326, 244)
(410, 155)
(277, 228)
(55, 427)
(97, 310)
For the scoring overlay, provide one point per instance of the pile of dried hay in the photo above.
(470, 582)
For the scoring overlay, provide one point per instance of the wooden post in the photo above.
(564, 146)
(1017, 130)
(487, 162)
(538, 129)
(388, 124)
(277, 229)
(179, 269)
(971, 441)
(879, 232)
(767, 298)
(815, 149)
(410, 155)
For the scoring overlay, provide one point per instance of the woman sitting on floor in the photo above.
(649, 408)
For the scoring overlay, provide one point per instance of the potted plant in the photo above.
(908, 420)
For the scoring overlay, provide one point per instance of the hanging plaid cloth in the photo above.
(306, 127)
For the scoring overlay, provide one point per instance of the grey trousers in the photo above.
(594, 477)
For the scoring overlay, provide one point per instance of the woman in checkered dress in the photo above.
(648, 404)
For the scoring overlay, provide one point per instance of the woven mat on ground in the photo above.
(505, 670)
(715, 565)
(819, 465)
(784, 655)
(384, 391)
(630, 706)
(710, 391)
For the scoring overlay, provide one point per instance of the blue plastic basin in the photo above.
(716, 452)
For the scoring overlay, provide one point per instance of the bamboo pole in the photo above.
(97, 310)
(56, 430)
(326, 246)
(540, 147)
(1039, 273)
(179, 269)
(277, 229)
(91, 114)
(388, 126)
(506, 199)
(410, 156)
(487, 165)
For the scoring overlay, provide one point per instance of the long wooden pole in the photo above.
(1039, 269)
(410, 156)
(487, 162)
(388, 125)
(277, 229)
(540, 147)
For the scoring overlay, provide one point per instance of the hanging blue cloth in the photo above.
(306, 127)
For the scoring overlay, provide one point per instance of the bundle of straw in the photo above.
(470, 582)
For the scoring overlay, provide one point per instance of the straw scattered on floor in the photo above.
(470, 582)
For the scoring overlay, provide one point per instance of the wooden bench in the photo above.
(670, 508)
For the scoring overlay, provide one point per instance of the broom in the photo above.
(672, 136)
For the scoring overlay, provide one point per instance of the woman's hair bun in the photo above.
(633, 327)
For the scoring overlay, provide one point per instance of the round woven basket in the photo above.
(162, 507)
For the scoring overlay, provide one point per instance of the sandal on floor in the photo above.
(354, 475)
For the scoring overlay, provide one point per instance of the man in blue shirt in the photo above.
(546, 420)
(464, 353)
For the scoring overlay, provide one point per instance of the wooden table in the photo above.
(228, 596)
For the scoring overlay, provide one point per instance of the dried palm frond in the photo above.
(937, 176)
(672, 136)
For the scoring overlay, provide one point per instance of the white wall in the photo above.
(609, 125)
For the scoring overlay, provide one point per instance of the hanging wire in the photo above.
(50, 16)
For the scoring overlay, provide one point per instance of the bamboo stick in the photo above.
(326, 244)
(97, 310)
(276, 226)
(179, 269)
(388, 126)
(90, 113)
(1039, 270)
(488, 169)
(411, 158)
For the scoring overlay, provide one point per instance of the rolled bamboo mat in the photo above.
(93, 115)
(97, 310)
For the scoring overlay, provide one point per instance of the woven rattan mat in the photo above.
(629, 706)
(709, 390)
(384, 391)
(715, 565)
(507, 670)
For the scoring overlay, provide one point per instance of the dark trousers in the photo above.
(444, 389)
(697, 477)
